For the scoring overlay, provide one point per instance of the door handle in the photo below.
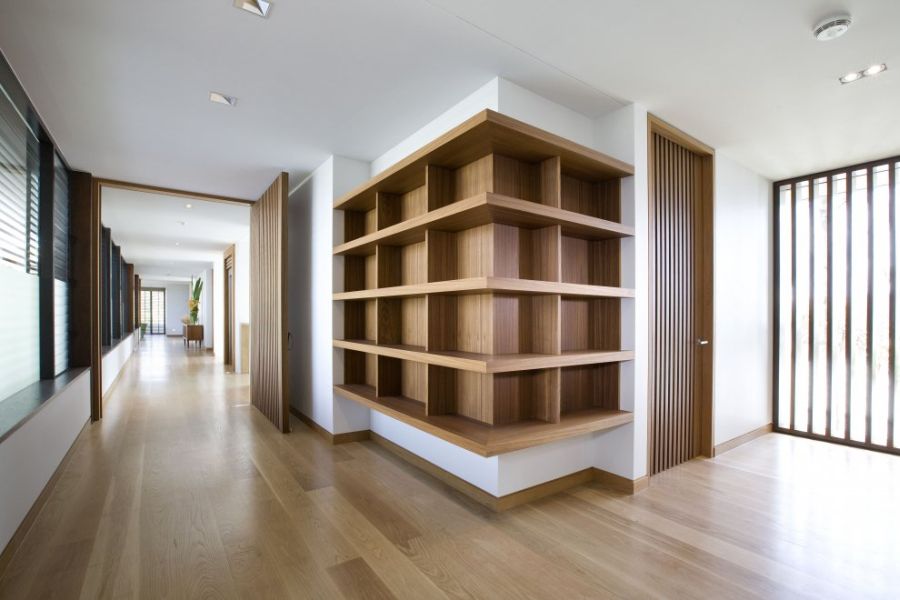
(290, 341)
(702, 342)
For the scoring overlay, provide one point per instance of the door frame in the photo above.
(228, 306)
(703, 268)
(96, 214)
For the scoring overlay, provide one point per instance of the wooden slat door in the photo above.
(268, 304)
(680, 299)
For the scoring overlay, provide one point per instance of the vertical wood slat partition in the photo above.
(680, 298)
(836, 368)
(268, 311)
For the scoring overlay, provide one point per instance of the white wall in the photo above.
(114, 360)
(312, 274)
(623, 135)
(30, 455)
(487, 96)
(176, 307)
(207, 315)
(241, 294)
(742, 338)
(218, 310)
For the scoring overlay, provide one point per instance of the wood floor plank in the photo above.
(357, 580)
(397, 571)
(184, 490)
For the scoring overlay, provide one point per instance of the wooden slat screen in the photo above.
(836, 305)
(675, 195)
(268, 332)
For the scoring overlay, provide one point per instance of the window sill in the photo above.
(17, 409)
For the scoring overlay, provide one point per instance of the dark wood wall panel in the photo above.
(268, 331)
(678, 220)
(80, 276)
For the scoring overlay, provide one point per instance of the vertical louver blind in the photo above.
(19, 194)
(837, 305)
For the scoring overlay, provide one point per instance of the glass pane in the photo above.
(801, 214)
(881, 280)
(820, 305)
(19, 330)
(61, 325)
(896, 261)
(839, 305)
(19, 193)
(858, 309)
(784, 306)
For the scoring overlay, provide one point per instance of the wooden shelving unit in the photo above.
(481, 288)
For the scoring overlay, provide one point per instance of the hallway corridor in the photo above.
(184, 491)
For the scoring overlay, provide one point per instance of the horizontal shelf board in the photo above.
(483, 209)
(486, 363)
(490, 284)
(486, 132)
(484, 439)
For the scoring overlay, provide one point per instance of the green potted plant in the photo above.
(143, 330)
(194, 301)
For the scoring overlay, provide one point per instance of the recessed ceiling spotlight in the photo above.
(832, 28)
(871, 71)
(188, 205)
(260, 8)
(177, 243)
(222, 99)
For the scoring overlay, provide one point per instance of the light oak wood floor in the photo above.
(185, 491)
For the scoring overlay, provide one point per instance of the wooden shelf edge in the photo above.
(474, 362)
(555, 143)
(545, 215)
(489, 284)
(484, 439)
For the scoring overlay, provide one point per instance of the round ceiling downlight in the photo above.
(832, 28)
(850, 77)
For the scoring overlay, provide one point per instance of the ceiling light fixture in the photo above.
(188, 205)
(871, 71)
(260, 8)
(222, 99)
(832, 28)
(177, 243)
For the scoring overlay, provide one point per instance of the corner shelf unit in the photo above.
(481, 288)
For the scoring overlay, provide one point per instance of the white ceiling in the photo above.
(123, 86)
(745, 77)
(165, 240)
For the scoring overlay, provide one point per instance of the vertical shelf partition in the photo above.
(482, 288)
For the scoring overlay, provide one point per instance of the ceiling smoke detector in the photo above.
(832, 28)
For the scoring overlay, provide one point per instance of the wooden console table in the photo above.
(193, 333)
